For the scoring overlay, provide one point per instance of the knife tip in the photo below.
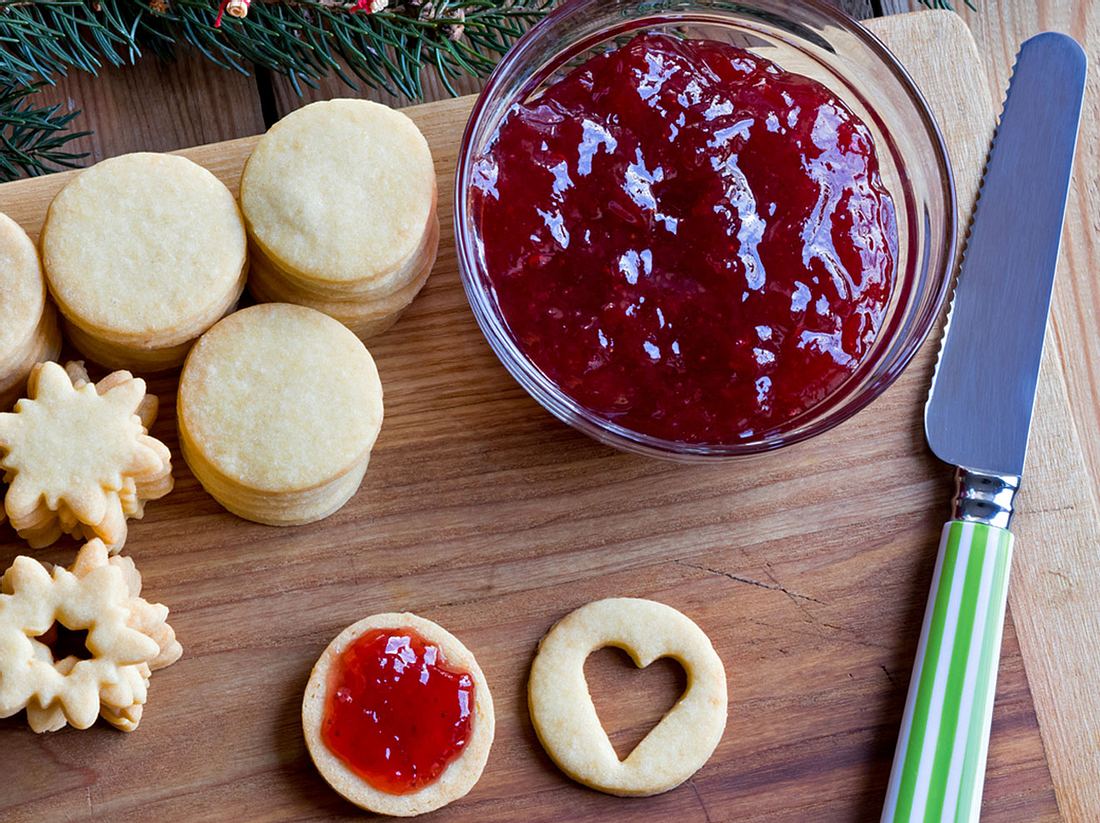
(1055, 41)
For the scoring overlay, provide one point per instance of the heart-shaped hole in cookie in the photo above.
(65, 642)
(630, 701)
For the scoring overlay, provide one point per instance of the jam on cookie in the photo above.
(397, 715)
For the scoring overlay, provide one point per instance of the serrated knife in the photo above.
(977, 419)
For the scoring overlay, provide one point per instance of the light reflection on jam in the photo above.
(395, 713)
(688, 240)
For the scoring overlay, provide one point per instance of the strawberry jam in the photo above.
(395, 713)
(689, 241)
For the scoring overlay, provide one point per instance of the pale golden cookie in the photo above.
(460, 775)
(28, 324)
(565, 719)
(279, 407)
(128, 639)
(274, 509)
(364, 291)
(45, 345)
(22, 293)
(143, 253)
(340, 191)
(78, 456)
(399, 293)
(365, 318)
(141, 358)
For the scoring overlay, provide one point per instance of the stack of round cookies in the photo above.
(278, 410)
(28, 323)
(339, 199)
(143, 253)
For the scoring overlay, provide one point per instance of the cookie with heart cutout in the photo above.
(565, 718)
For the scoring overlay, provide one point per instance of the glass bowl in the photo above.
(804, 36)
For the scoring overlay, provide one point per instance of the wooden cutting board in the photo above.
(808, 568)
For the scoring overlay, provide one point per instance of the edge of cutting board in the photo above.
(1052, 596)
(1058, 516)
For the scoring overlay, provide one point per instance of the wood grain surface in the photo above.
(999, 28)
(1055, 595)
(809, 569)
(1058, 610)
(157, 105)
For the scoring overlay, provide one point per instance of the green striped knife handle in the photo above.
(939, 765)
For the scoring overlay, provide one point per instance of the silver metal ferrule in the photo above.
(982, 497)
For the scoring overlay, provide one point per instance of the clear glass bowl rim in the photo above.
(564, 407)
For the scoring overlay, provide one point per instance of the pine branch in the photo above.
(302, 39)
(307, 39)
(946, 4)
(32, 140)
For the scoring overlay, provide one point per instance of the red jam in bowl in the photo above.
(689, 241)
(395, 714)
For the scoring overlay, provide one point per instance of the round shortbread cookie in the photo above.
(340, 191)
(460, 775)
(365, 318)
(289, 509)
(375, 288)
(22, 296)
(565, 718)
(291, 514)
(280, 399)
(268, 276)
(139, 359)
(144, 249)
(143, 358)
(45, 344)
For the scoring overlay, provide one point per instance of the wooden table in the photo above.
(1060, 585)
(1056, 595)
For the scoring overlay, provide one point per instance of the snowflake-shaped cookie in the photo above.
(78, 456)
(127, 637)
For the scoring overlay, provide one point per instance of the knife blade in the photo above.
(978, 418)
(979, 409)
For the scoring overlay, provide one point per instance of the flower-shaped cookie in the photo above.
(78, 456)
(127, 637)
